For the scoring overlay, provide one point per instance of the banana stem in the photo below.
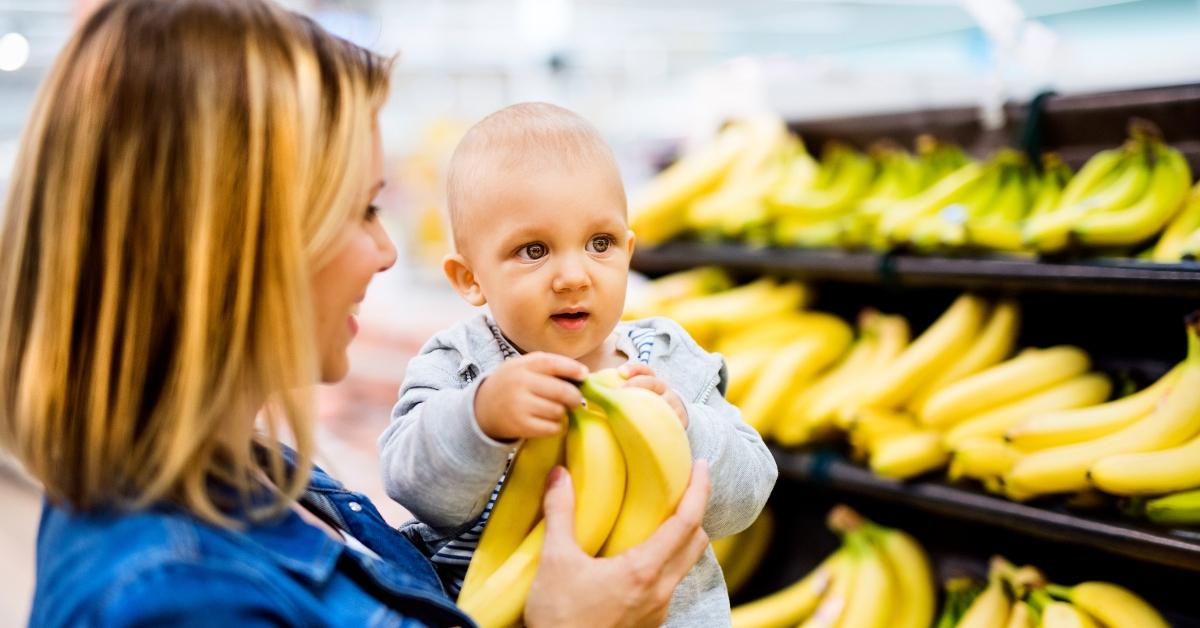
(844, 519)
(999, 567)
(1193, 332)
(1039, 599)
(1059, 591)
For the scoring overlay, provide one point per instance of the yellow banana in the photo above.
(657, 456)
(1111, 179)
(1191, 246)
(752, 545)
(1021, 615)
(908, 455)
(1170, 246)
(1030, 372)
(851, 175)
(835, 602)
(748, 180)
(914, 598)
(656, 294)
(990, 609)
(871, 426)
(982, 458)
(790, 369)
(725, 550)
(791, 605)
(597, 469)
(704, 317)
(743, 368)
(894, 336)
(1149, 472)
(1168, 187)
(499, 601)
(1077, 392)
(517, 509)
(1065, 615)
(598, 475)
(738, 203)
(1064, 427)
(1177, 418)
(656, 213)
(994, 343)
(871, 600)
(896, 224)
(927, 356)
(998, 226)
(812, 410)
(1112, 604)
(782, 329)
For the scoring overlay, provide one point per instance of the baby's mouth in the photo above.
(570, 320)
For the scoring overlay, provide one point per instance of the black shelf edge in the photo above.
(828, 469)
(1099, 276)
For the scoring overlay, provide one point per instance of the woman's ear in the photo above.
(458, 271)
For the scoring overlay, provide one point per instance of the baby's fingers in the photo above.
(649, 382)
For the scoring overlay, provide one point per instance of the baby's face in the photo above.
(551, 253)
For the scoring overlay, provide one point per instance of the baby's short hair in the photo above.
(521, 139)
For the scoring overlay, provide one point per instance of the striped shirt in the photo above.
(454, 557)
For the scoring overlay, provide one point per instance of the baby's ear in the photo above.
(458, 271)
(630, 239)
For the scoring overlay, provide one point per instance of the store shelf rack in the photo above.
(1046, 519)
(1096, 276)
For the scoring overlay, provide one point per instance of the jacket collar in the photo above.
(294, 545)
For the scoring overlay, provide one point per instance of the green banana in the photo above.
(1175, 509)
(1110, 180)
(1160, 200)
(1175, 240)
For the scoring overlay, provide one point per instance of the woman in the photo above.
(188, 232)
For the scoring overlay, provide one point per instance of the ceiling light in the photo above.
(14, 52)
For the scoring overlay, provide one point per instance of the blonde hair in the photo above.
(521, 139)
(186, 167)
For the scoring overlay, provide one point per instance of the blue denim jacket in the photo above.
(163, 567)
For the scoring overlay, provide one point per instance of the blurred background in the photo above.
(654, 76)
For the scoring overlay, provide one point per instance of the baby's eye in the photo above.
(600, 244)
(372, 212)
(534, 251)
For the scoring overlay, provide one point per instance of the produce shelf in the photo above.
(1045, 519)
(1095, 276)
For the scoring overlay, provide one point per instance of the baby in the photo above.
(538, 215)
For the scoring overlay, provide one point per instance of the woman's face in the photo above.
(362, 250)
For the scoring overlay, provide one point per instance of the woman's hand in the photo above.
(631, 589)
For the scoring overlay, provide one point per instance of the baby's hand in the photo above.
(642, 376)
(527, 397)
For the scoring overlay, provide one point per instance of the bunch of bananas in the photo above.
(629, 461)
(1121, 197)
(1181, 239)
(1145, 444)
(757, 183)
(1022, 598)
(720, 188)
(906, 406)
(878, 577)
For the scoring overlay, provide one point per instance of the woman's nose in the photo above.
(387, 249)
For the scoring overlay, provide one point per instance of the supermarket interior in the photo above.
(947, 251)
